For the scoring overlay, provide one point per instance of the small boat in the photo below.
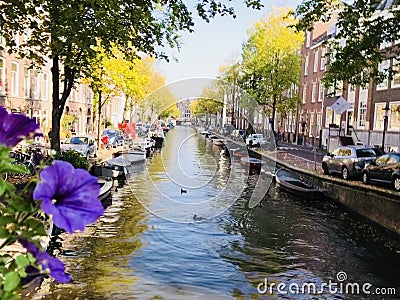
(295, 184)
(106, 185)
(252, 163)
(114, 167)
(218, 142)
(133, 156)
(240, 152)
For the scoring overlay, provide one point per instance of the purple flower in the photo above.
(70, 195)
(46, 261)
(14, 127)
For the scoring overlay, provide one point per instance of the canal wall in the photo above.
(379, 205)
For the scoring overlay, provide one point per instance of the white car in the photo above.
(85, 145)
(255, 139)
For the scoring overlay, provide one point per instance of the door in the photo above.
(349, 122)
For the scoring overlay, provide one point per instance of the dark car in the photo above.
(115, 137)
(348, 161)
(385, 169)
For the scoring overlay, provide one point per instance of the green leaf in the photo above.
(36, 226)
(31, 258)
(4, 233)
(11, 281)
(4, 220)
(22, 261)
(22, 273)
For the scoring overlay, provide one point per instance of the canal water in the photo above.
(181, 228)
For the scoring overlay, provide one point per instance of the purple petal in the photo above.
(55, 266)
(14, 127)
(75, 192)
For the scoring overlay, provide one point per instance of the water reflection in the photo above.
(131, 253)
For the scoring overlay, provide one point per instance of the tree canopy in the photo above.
(361, 27)
(271, 62)
(69, 33)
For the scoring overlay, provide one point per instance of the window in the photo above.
(394, 116)
(316, 61)
(312, 125)
(306, 66)
(323, 59)
(362, 112)
(321, 92)
(384, 68)
(378, 118)
(14, 78)
(308, 39)
(35, 85)
(314, 92)
(396, 77)
(304, 93)
(319, 123)
(329, 116)
(339, 88)
(27, 82)
(2, 76)
(46, 86)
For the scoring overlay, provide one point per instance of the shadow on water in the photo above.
(132, 253)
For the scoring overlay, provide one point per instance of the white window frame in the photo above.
(313, 92)
(323, 59)
(307, 60)
(396, 77)
(362, 114)
(14, 79)
(394, 113)
(304, 93)
(27, 82)
(315, 69)
(318, 123)
(308, 38)
(46, 86)
(311, 125)
(2, 76)
(383, 67)
(36, 86)
(378, 115)
(321, 92)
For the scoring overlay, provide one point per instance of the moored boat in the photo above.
(295, 184)
(251, 162)
(133, 156)
(218, 142)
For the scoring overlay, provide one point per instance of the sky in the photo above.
(214, 44)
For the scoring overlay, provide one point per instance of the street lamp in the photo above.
(386, 110)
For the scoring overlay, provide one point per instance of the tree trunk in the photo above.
(57, 107)
(273, 116)
(59, 102)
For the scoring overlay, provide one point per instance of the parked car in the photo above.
(85, 145)
(384, 169)
(348, 160)
(255, 139)
(115, 137)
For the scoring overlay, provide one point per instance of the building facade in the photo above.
(29, 91)
(364, 122)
